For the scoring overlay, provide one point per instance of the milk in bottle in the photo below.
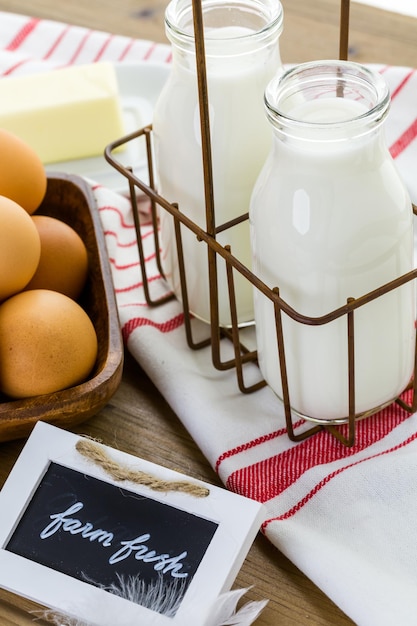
(242, 55)
(330, 220)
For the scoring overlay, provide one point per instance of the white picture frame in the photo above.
(237, 521)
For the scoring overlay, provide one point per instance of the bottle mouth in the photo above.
(234, 21)
(326, 96)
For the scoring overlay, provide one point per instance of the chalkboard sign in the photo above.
(80, 542)
(102, 534)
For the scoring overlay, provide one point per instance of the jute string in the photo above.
(97, 454)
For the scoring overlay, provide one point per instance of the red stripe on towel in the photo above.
(148, 54)
(137, 285)
(404, 140)
(103, 48)
(56, 43)
(14, 67)
(127, 49)
(120, 267)
(163, 327)
(20, 37)
(80, 46)
(115, 234)
(329, 477)
(253, 444)
(270, 477)
(402, 84)
(115, 209)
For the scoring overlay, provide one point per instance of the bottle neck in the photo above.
(232, 28)
(328, 102)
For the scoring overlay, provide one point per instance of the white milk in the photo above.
(241, 140)
(331, 221)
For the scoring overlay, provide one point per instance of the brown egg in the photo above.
(63, 265)
(20, 248)
(23, 177)
(47, 343)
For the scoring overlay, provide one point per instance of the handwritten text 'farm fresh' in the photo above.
(162, 562)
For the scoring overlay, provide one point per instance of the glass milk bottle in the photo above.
(331, 219)
(242, 55)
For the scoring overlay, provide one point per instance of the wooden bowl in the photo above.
(69, 199)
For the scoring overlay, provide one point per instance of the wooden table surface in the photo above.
(311, 31)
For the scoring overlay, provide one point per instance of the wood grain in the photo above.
(311, 31)
(137, 419)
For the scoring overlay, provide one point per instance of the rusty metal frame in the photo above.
(243, 355)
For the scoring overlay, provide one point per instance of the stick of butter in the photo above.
(64, 114)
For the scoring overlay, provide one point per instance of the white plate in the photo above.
(139, 86)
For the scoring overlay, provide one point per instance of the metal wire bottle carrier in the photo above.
(242, 355)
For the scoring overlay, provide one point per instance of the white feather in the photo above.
(224, 611)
